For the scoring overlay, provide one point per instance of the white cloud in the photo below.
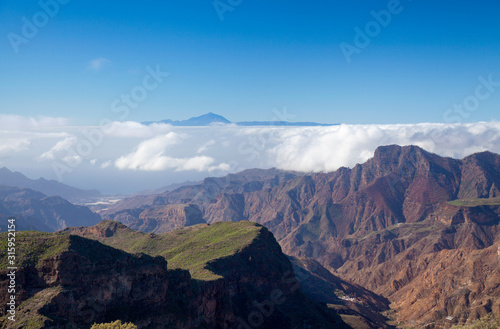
(21, 137)
(201, 164)
(135, 129)
(308, 149)
(62, 146)
(72, 160)
(205, 146)
(150, 155)
(328, 148)
(12, 122)
(9, 146)
(98, 63)
(106, 164)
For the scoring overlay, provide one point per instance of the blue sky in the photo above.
(261, 56)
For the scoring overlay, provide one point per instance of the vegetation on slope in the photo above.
(32, 247)
(190, 248)
(114, 325)
(28, 315)
(193, 248)
(476, 202)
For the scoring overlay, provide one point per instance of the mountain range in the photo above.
(211, 119)
(419, 229)
(48, 187)
(408, 238)
(36, 211)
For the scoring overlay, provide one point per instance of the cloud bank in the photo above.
(166, 154)
(327, 149)
(17, 122)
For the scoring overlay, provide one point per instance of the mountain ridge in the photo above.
(48, 187)
(36, 211)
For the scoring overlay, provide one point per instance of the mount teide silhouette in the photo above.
(420, 229)
(210, 119)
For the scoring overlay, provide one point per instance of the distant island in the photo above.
(211, 119)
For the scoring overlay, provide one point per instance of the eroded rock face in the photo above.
(134, 212)
(421, 270)
(160, 218)
(168, 217)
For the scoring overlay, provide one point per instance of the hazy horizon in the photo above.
(128, 157)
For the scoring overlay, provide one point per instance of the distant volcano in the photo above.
(211, 119)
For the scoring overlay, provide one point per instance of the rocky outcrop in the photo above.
(480, 177)
(168, 217)
(161, 218)
(185, 206)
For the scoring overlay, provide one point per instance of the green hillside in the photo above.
(32, 247)
(476, 202)
(188, 248)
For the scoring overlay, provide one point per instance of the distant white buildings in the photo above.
(351, 299)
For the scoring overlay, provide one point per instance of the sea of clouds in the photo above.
(123, 157)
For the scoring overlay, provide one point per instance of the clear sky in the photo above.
(262, 55)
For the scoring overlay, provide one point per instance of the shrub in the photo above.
(114, 325)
